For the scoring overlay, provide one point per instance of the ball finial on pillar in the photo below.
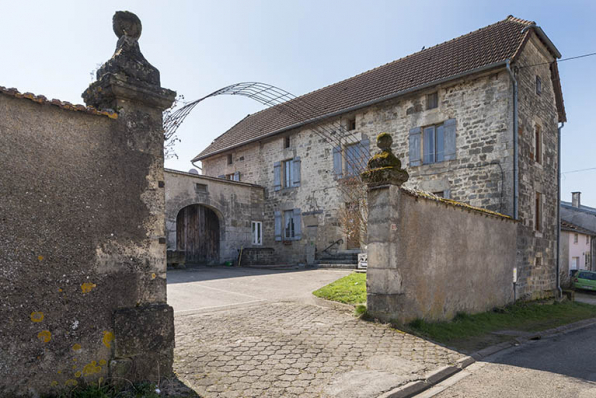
(125, 23)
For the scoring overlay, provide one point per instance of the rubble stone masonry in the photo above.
(481, 173)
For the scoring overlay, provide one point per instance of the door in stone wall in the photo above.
(197, 234)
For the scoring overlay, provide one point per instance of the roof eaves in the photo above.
(484, 68)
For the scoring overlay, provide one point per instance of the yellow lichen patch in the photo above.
(36, 316)
(102, 362)
(74, 367)
(71, 382)
(91, 368)
(87, 287)
(40, 258)
(153, 276)
(54, 383)
(78, 374)
(76, 347)
(60, 290)
(60, 372)
(44, 336)
(108, 337)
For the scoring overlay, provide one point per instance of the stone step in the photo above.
(338, 265)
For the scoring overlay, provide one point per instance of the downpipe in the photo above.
(558, 257)
(515, 143)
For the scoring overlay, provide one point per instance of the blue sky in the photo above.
(50, 48)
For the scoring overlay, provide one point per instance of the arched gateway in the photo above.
(198, 234)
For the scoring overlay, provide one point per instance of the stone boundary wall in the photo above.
(430, 258)
(82, 246)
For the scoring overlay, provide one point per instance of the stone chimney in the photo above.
(576, 199)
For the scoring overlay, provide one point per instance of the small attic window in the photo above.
(538, 85)
(230, 159)
(432, 100)
(287, 142)
(351, 124)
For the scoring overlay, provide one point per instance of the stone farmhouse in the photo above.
(474, 119)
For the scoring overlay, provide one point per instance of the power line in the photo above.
(577, 171)
(561, 60)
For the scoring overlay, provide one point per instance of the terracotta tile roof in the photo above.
(482, 48)
(40, 99)
(567, 226)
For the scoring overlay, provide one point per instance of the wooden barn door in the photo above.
(197, 234)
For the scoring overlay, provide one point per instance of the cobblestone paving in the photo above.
(292, 350)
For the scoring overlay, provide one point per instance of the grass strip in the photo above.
(521, 316)
(350, 289)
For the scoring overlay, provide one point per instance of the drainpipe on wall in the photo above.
(515, 143)
(200, 168)
(560, 291)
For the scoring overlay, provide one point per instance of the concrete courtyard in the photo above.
(258, 333)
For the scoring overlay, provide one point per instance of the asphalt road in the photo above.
(558, 367)
(206, 289)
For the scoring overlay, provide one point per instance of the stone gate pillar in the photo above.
(129, 85)
(384, 177)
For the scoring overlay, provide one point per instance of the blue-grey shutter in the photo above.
(221, 176)
(296, 171)
(450, 136)
(277, 225)
(365, 153)
(447, 194)
(237, 176)
(297, 224)
(337, 169)
(415, 146)
(276, 176)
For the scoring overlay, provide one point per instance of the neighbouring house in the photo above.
(576, 249)
(578, 229)
(474, 119)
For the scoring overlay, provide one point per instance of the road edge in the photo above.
(437, 376)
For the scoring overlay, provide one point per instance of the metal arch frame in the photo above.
(269, 95)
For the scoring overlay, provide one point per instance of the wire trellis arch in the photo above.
(294, 107)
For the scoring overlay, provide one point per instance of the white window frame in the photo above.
(435, 156)
(257, 232)
(288, 227)
(288, 173)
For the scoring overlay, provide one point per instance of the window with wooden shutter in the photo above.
(276, 176)
(278, 231)
(296, 171)
(450, 147)
(297, 224)
(337, 163)
(414, 142)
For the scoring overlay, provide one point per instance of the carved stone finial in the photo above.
(384, 167)
(125, 23)
(127, 74)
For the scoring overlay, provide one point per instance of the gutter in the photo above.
(359, 106)
(558, 256)
(515, 144)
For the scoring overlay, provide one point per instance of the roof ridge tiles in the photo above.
(489, 45)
